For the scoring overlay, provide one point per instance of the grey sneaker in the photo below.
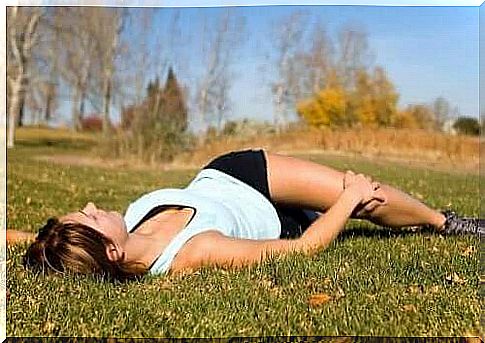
(455, 225)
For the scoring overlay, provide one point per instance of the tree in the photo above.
(22, 36)
(287, 41)
(467, 126)
(75, 28)
(363, 101)
(326, 108)
(317, 63)
(418, 116)
(406, 120)
(174, 108)
(212, 98)
(386, 98)
(442, 111)
(156, 128)
(371, 103)
(108, 43)
(353, 54)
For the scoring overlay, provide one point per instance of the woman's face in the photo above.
(109, 224)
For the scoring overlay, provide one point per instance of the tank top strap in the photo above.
(199, 224)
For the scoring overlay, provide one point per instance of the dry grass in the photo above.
(412, 147)
(406, 145)
(53, 134)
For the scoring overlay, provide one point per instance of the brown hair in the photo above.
(76, 248)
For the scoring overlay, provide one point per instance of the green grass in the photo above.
(381, 282)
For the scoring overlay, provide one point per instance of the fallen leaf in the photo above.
(415, 289)
(319, 299)
(340, 293)
(471, 250)
(455, 278)
(48, 327)
(409, 308)
(165, 285)
(28, 200)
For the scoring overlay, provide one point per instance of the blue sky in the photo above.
(427, 51)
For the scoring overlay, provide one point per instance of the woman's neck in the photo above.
(149, 241)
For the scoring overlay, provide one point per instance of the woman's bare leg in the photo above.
(307, 184)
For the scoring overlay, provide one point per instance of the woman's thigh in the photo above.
(302, 183)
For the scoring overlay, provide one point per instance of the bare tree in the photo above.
(287, 40)
(22, 35)
(353, 54)
(43, 89)
(108, 42)
(74, 49)
(213, 91)
(442, 111)
(317, 62)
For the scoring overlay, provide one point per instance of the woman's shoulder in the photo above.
(192, 254)
(138, 208)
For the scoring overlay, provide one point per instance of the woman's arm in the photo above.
(214, 248)
(17, 237)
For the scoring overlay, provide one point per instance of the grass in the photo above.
(376, 282)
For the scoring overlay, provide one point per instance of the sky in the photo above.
(427, 52)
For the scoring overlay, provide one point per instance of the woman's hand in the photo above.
(363, 186)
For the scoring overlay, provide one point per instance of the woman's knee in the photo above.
(374, 208)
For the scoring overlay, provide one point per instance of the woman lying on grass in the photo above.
(240, 209)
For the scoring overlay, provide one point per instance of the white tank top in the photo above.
(221, 202)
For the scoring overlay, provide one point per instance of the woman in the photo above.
(240, 209)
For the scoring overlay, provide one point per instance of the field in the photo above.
(372, 281)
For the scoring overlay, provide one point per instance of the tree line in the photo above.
(99, 59)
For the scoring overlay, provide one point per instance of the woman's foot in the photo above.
(455, 225)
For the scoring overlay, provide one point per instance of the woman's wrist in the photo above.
(328, 226)
(352, 197)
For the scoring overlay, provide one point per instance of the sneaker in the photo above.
(455, 225)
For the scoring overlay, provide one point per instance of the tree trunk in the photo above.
(21, 113)
(106, 103)
(76, 118)
(82, 106)
(47, 110)
(13, 110)
(21, 40)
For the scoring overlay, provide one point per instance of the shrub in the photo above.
(157, 128)
(92, 123)
(467, 126)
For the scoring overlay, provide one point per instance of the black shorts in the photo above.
(250, 167)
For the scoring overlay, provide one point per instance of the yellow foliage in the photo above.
(415, 117)
(374, 100)
(366, 111)
(325, 109)
(405, 119)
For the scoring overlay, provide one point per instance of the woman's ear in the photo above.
(113, 252)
